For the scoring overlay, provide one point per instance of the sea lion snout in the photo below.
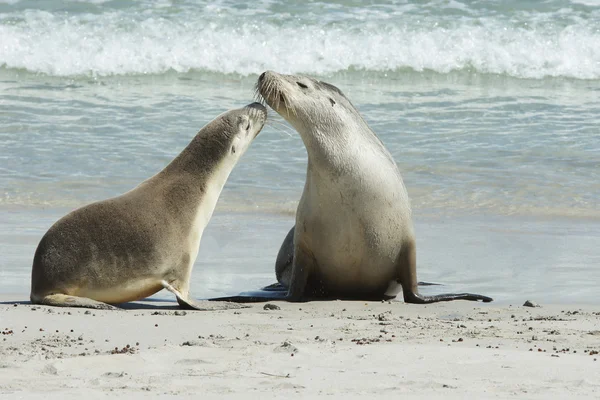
(257, 111)
(266, 75)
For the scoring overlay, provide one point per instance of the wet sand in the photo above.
(334, 349)
(509, 258)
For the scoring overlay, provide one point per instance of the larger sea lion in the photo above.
(131, 246)
(354, 235)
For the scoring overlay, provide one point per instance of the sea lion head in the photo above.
(226, 138)
(308, 104)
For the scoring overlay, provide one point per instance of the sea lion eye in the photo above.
(233, 149)
(332, 101)
(302, 85)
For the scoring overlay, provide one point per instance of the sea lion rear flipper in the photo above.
(64, 300)
(274, 293)
(302, 265)
(429, 284)
(275, 287)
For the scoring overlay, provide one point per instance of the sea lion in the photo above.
(129, 247)
(354, 235)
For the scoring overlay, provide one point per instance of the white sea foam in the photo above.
(115, 43)
(591, 3)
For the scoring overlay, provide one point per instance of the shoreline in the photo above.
(510, 259)
(286, 208)
(334, 349)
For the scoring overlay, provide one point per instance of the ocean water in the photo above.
(491, 110)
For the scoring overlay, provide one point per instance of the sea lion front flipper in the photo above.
(187, 303)
(285, 259)
(407, 277)
(303, 264)
(65, 300)
(206, 305)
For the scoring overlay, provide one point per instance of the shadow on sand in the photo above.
(145, 304)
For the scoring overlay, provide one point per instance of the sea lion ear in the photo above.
(332, 101)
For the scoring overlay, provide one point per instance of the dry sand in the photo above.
(335, 349)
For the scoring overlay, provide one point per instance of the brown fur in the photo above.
(131, 246)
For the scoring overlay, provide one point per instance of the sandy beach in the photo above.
(491, 111)
(333, 349)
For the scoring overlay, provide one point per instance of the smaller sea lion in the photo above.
(129, 247)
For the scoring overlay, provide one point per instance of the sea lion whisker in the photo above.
(258, 97)
(265, 91)
(274, 95)
(282, 130)
(280, 126)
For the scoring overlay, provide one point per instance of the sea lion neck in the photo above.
(202, 154)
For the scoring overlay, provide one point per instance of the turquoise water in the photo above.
(491, 110)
